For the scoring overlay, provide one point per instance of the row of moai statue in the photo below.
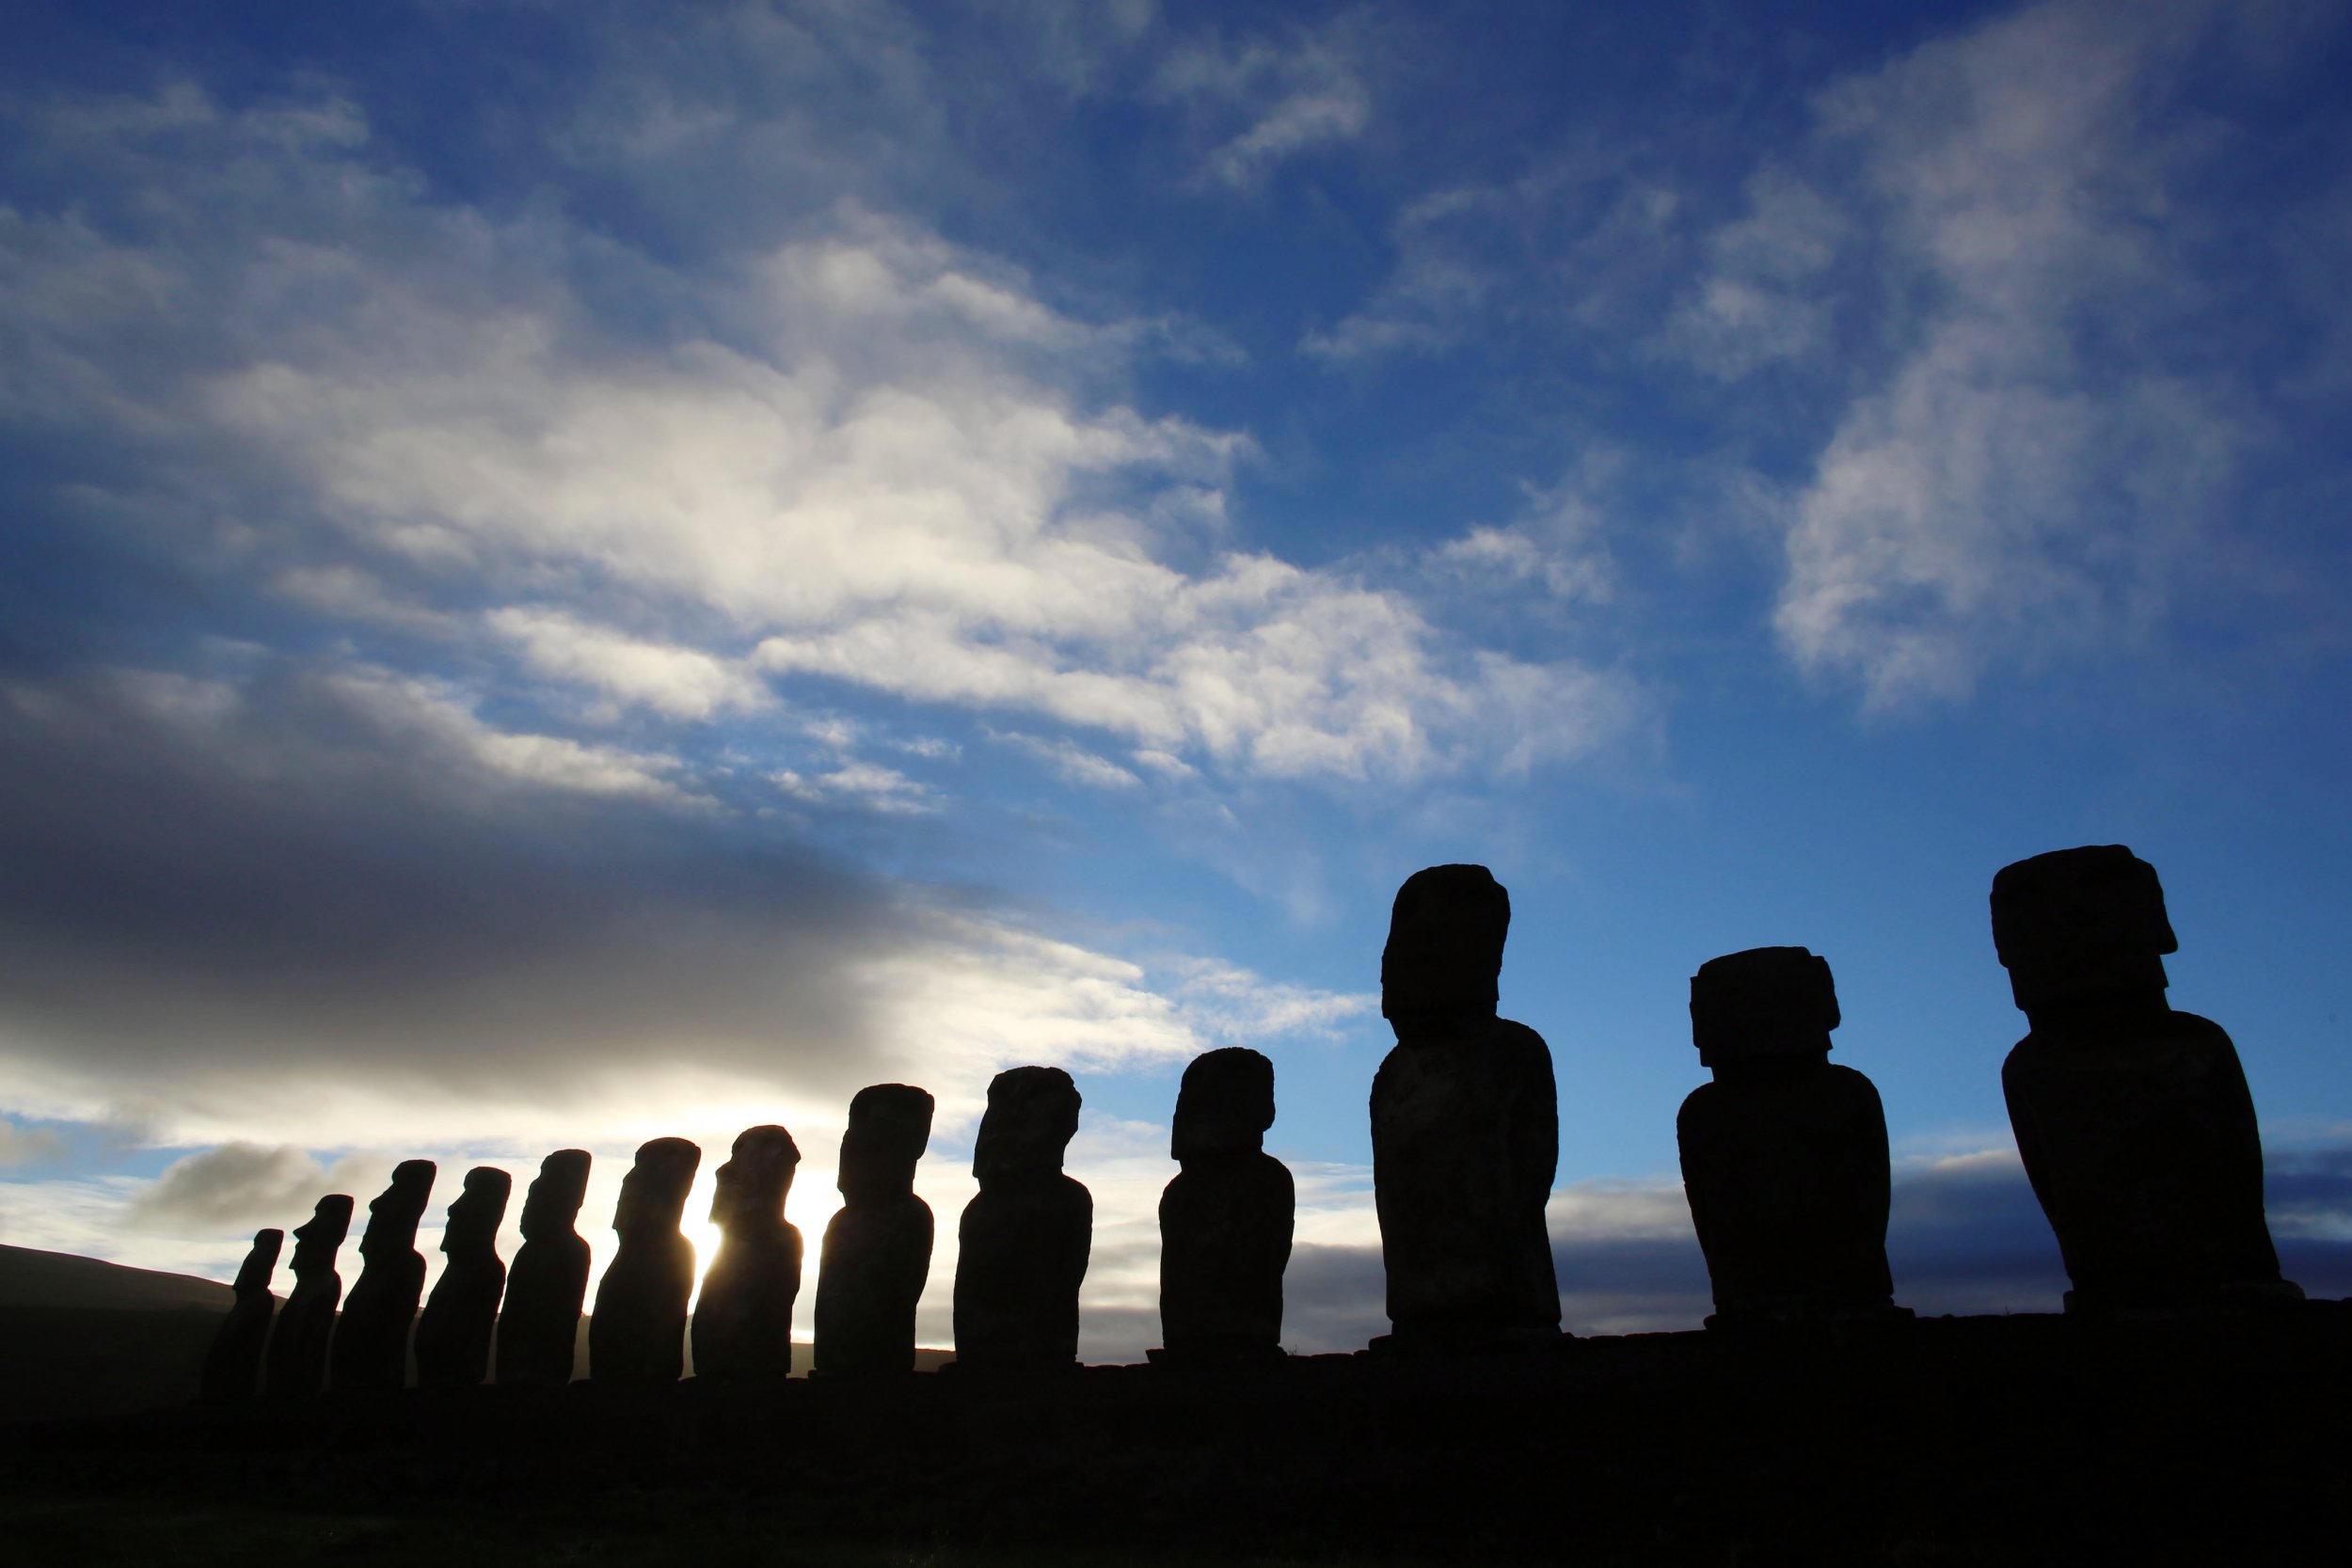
(2134, 1121)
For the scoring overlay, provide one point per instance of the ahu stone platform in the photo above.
(1991, 1440)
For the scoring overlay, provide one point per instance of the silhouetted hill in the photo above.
(29, 1277)
(82, 1337)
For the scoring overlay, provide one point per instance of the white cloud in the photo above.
(682, 681)
(2032, 474)
(883, 460)
(866, 783)
(1073, 763)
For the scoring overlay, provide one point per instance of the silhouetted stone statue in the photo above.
(1225, 1220)
(1465, 1127)
(232, 1365)
(296, 1363)
(2134, 1121)
(744, 1318)
(371, 1353)
(453, 1333)
(1023, 1239)
(637, 1332)
(1784, 1156)
(538, 1337)
(877, 1248)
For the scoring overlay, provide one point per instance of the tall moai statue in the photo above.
(295, 1367)
(637, 1332)
(1024, 1239)
(371, 1353)
(2134, 1121)
(1226, 1219)
(1465, 1129)
(743, 1318)
(877, 1248)
(538, 1336)
(454, 1333)
(1784, 1155)
(232, 1365)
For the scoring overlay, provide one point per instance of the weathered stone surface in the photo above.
(296, 1362)
(743, 1318)
(1023, 1239)
(1226, 1219)
(453, 1333)
(1465, 1127)
(538, 1325)
(370, 1350)
(637, 1331)
(232, 1365)
(2134, 1121)
(1784, 1156)
(877, 1248)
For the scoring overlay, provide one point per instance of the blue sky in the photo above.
(574, 573)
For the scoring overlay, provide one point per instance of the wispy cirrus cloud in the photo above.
(1293, 96)
(2039, 465)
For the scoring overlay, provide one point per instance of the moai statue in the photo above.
(538, 1336)
(371, 1353)
(2134, 1121)
(637, 1331)
(1225, 1220)
(1784, 1156)
(453, 1335)
(877, 1249)
(295, 1367)
(1465, 1129)
(1023, 1239)
(743, 1318)
(233, 1367)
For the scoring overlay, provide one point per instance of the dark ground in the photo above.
(1949, 1441)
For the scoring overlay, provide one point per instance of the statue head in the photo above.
(1224, 1105)
(2078, 926)
(254, 1273)
(653, 1194)
(755, 1178)
(890, 1126)
(475, 1215)
(1763, 1001)
(552, 1204)
(317, 1238)
(392, 1217)
(1444, 956)
(1032, 1115)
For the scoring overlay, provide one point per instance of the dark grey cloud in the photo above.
(240, 1184)
(1965, 1237)
(311, 874)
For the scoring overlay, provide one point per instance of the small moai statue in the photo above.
(295, 1367)
(454, 1333)
(538, 1335)
(371, 1352)
(877, 1248)
(232, 1365)
(1784, 1155)
(744, 1318)
(1226, 1219)
(2134, 1121)
(637, 1331)
(1465, 1129)
(1025, 1238)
